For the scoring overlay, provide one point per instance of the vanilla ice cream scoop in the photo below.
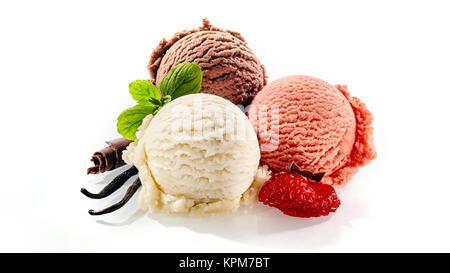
(198, 154)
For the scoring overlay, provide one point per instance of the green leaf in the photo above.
(166, 100)
(154, 101)
(156, 110)
(183, 79)
(142, 91)
(130, 119)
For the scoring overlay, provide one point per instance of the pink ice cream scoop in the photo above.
(318, 126)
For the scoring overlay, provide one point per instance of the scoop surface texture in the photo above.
(316, 125)
(230, 69)
(199, 152)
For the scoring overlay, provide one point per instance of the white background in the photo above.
(64, 71)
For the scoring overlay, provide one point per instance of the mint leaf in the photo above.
(183, 79)
(166, 100)
(130, 119)
(154, 101)
(142, 91)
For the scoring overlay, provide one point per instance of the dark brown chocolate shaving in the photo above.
(130, 192)
(109, 158)
(113, 186)
(293, 168)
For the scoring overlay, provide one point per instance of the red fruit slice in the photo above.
(298, 196)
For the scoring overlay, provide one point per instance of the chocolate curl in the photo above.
(109, 158)
(293, 168)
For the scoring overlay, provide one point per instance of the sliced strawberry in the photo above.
(298, 196)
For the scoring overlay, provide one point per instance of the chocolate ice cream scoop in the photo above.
(230, 69)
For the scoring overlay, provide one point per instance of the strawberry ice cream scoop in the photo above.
(318, 126)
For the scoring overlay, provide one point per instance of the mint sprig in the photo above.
(183, 79)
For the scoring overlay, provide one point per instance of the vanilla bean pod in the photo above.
(130, 192)
(113, 186)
